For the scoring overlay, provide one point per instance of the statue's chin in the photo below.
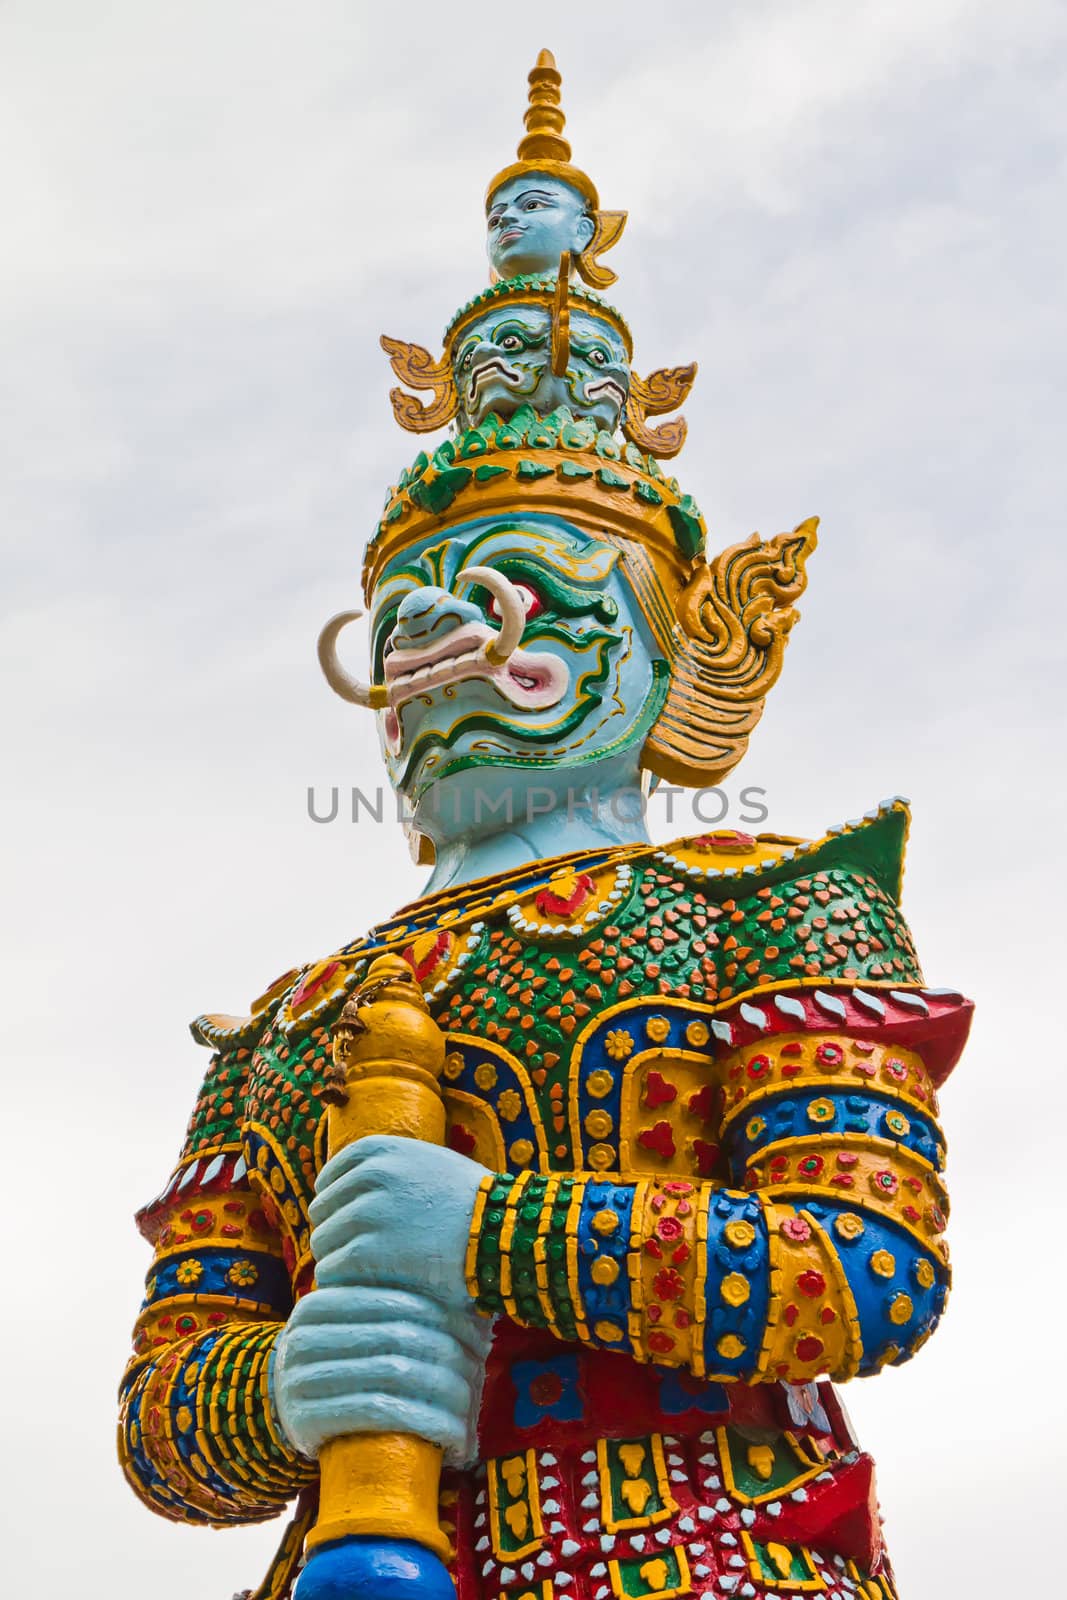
(526, 259)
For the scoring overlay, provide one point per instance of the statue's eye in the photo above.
(534, 205)
(598, 358)
(467, 361)
(530, 599)
(511, 341)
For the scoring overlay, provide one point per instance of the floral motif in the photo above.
(883, 1263)
(895, 1068)
(758, 1066)
(848, 1225)
(901, 1309)
(668, 1284)
(242, 1274)
(821, 1111)
(828, 1054)
(509, 1104)
(754, 1127)
(730, 1347)
(189, 1272)
(739, 1233)
(619, 1044)
(811, 1283)
(885, 1181)
(897, 1123)
(734, 1289)
(811, 1166)
(796, 1228)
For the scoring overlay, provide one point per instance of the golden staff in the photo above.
(380, 1488)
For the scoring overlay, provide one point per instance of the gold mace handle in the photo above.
(388, 1057)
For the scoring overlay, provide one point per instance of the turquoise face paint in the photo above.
(505, 360)
(531, 220)
(463, 742)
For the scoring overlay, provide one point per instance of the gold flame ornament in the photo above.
(416, 367)
(660, 392)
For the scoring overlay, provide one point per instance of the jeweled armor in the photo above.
(706, 1076)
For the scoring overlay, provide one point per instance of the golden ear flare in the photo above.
(561, 317)
(609, 227)
(734, 617)
(661, 391)
(417, 368)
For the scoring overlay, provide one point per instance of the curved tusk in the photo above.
(371, 695)
(512, 611)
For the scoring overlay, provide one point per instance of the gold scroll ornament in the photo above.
(663, 390)
(388, 1057)
(416, 367)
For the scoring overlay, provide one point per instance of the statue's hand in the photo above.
(368, 1360)
(389, 1339)
(397, 1214)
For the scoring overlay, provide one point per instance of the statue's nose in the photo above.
(429, 613)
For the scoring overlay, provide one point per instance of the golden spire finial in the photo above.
(542, 147)
(544, 116)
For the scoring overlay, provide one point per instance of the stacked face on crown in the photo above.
(504, 360)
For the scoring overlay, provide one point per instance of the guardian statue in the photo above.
(525, 1241)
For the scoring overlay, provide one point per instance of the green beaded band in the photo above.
(231, 1388)
(489, 1223)
(519, 1261)
(555, 1274)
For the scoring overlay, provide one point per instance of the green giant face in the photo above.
(580, 691)
(505, 360)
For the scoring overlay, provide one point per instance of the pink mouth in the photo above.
(511, 235)
(529, 680)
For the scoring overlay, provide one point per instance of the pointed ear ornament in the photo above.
(561, 317)
(609, 228)
(417, 368)
(733, 622)
(661, 391)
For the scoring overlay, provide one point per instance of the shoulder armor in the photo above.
(220, 1031)
(872, 844)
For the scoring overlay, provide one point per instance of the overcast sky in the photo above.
(853, 216)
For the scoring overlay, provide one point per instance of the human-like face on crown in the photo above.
(571, 705)
(532, 219)
(504, 361)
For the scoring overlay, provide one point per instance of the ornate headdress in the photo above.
(722, 625)
(544, 149)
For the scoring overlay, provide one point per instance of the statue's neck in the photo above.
(600, 820)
